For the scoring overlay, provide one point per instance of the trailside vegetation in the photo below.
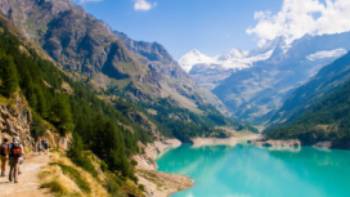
(68, 106)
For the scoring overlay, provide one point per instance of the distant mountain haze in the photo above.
(210, 71)
(319, 110)
(255, 93)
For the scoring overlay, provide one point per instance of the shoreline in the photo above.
(147, 160)
(159, 184)
(199, 142)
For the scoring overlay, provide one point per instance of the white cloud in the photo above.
(300, 17)
(143, 5)
(327, 54)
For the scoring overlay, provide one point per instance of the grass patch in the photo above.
(3, 100)
(75, 176)
(56, 188)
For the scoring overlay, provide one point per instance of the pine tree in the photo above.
(9, 76)
(61, 114)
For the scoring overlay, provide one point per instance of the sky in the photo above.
(216, 26)
(212, 26)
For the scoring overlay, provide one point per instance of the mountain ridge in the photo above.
(319, 110)
(87, 46)
(139, 79)
(254, 94)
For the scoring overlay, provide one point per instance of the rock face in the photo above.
(147, 160)
(158, 184)
(109, 60)
(16, 119)
(209, 76)
(255, 93)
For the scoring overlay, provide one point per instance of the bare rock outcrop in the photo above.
(16, 119)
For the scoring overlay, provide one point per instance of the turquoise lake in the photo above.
(246, 170)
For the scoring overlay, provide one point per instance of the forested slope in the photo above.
(319, 110)
(68, 108)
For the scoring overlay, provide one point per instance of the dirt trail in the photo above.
(28, 185)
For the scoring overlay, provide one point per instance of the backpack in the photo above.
(4, 149)
(16, 151)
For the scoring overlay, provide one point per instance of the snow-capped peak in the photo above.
(234, 53)
(194, 57)
(236, 59)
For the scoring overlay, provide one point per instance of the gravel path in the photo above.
(28, 185)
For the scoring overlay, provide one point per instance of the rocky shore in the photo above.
(158, 184)
(293, 145)
(324, 145)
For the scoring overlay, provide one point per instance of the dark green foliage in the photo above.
(38, 126)
(8, 75)
(319, 110)
(78, 155)
(95, 124)
(172, 120)
(106, 141)
(60, 114)
(184, 124)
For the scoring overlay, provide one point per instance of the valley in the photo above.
(126, 117)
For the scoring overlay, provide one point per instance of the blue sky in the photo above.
(212, 26)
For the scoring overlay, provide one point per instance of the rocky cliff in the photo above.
(16, 119)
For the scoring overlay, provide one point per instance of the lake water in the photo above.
(246, 170)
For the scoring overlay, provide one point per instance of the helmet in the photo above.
(16, 139)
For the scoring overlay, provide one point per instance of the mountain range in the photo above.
(255, 93)
(318, 111)
(119, 69)
(87, 46)
(209, 71)
(182, 99)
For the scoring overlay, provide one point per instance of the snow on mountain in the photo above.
(236, 59)
(256, 93)
(194, 57)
